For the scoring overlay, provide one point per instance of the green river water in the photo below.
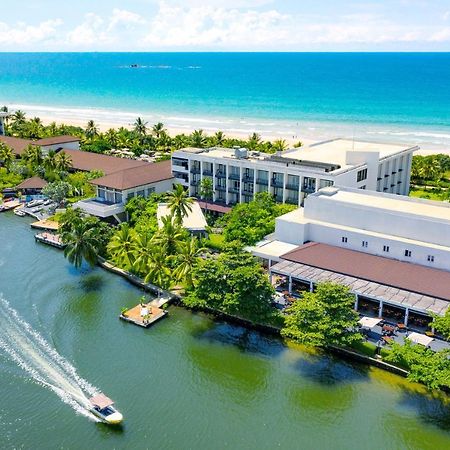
(186, 383)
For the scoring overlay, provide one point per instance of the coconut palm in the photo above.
(169, 235)
(140, 127)
(158, 271)
(6, 156)
(50, 161)
(18, 118)
(198, 139)
(180, 141)
(279, 145)
(111, 137)
(157, 129)
(143, 247)
(91, 130)
(219, 138)
(254, 141)
(81, 243)
(187, 258)
(122, 247)
(35, 129)
(33, 156)
(63, 161)
(179, 203)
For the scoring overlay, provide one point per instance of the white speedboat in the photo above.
(102, 407)
(19, 212)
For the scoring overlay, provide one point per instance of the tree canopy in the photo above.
(323, 318)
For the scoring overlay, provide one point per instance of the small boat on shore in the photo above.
(102, 407)
(19, 212)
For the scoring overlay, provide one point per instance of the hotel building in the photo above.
(238, 174)
(393, 252)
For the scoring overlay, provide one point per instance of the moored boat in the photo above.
(102, 407)
(19, 212)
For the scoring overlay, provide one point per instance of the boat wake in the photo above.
(29, 350)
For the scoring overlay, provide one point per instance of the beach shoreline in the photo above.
(241, 128)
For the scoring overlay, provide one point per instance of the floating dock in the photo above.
(48, 225)
(7, 206)
(50, 239)
(143, 315)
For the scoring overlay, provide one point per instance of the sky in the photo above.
(225, 25)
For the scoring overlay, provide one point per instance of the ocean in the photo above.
(389, 96)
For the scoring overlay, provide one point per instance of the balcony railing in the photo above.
(277, 183)
(234, 176)
(100, 208)
(195, 170)
(247, 192)
(292, 200)
(207, 172)
(220, 188)
(262, 181)
(233, 190)
(309, 189)
(292, 187)
(248, 178)
(195, 183)
(221, 174)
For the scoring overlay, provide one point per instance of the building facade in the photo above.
(237, 174)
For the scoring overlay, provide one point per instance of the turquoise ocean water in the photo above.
(390, 96)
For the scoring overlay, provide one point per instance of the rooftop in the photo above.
(87, 161)
(193, 221)
(140, 175)
(391, 202)
(401, 275)
(57, 140)
(17, 145)
(330, 155)
(32, 183)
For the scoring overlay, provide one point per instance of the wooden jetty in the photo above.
(50, 239)
(143, 315)
(48, 225)
(7, 206)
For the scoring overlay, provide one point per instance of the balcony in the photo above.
(195, 183)
(195, 170)
(309, 189)
(248, 178)
(233, 190)
(207, 172)
(221, 174)
(220, 188)
(262, 181)
(247, 192)
(99, 207)
(277, 183)
(292, 187)
(234, 176)
(292, 200)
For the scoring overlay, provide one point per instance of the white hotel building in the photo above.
(237, 174)
(393, 252)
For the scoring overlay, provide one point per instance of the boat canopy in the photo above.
(101, 400)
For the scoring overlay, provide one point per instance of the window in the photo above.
(386, 248)
(365, 244)
(141, 193)
(150, 191)
(130, 195)
(362, 187)
(344, 239)
(362, 175)
(430, 258)
(408, 253)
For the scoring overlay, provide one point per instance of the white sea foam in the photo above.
(31, 352)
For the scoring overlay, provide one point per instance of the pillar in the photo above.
(311, 286)
(406, 317)
(356, 302)
(290, 285)
(380, 312)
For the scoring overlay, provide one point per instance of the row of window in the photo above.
(386, 249)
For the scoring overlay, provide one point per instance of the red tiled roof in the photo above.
(32, 183)
(17, 145)
(146, 173)
(210, 206)
(402, 275)
(87, 161)
(57, 140)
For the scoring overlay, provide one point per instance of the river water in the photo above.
(187, 382)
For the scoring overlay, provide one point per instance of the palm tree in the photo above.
(33, 156)
(187, 259)
(158, 271)
(180, 141)
(91, 129)
(81, 243)
(254, 141)
(50, 162)
(18, 118)
(279, 145)
(157, 129)
(52, 129)
(198, 139)
(122, 247)
(35, 129)
(179, 203)
(6, 156)
(169, 235)
(140, 127)
(143, 248)
(63, 161)
(111, 137)
(219, 138)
